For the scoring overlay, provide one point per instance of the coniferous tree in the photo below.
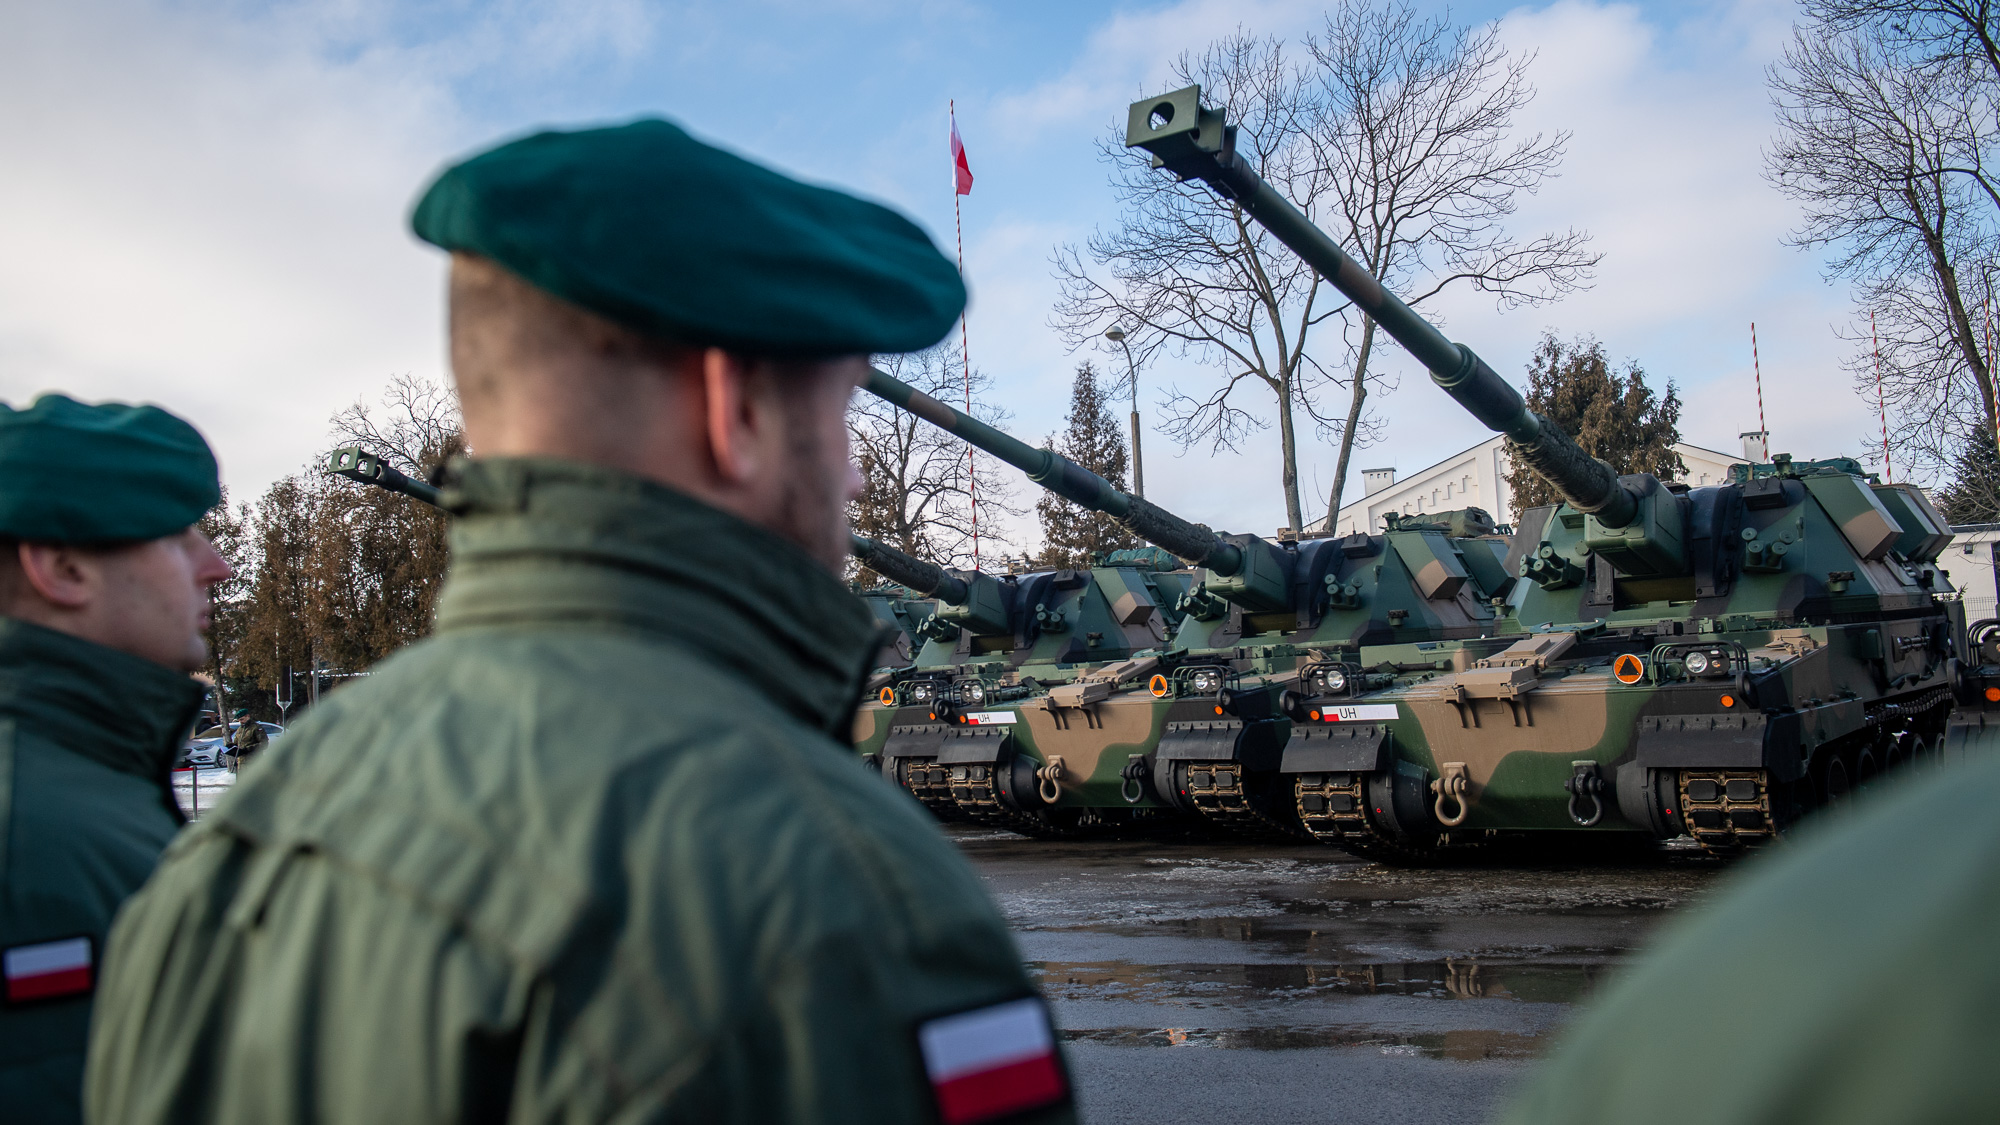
(1973, 496)
(1093, 439)
(1613, 415)
(230, 532)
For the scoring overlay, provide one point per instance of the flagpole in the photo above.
(965, 343)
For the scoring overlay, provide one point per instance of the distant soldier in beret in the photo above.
(599, 850)
(248, 737)
(104, 597)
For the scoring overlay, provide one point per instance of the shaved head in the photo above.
(763, 438)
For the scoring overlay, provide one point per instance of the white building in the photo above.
(1477, 478)
(1974, 566)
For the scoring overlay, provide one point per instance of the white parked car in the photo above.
(206, 749)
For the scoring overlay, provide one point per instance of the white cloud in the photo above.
(205, 206)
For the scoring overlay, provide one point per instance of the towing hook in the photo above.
(1451, 787)
(1134, 774)
(1585, 784)
(1048, 780)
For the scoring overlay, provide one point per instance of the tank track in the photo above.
(1335, 811)
(1727, 811)
(1731, 811)
(975, 789)
(930, 784)
(1222, 799)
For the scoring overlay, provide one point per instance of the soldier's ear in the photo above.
(65, 576)
(745, 436)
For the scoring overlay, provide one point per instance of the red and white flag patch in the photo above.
(993, 1062)
(48, 970)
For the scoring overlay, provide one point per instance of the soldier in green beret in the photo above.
(248, 737)
(104, 597)
(598, 850)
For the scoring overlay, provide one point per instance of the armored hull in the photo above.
(958, 726)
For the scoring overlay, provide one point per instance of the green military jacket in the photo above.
(594, 852)
(1848, 978)
(88, 741)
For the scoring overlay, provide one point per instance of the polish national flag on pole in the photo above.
(961, 171)
(961, 176)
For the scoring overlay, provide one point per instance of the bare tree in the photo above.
(346, 574)
(918, 482)
(1415, 120)
(1393, 139)
(1888, 153)
(1184, 274)
(1926, 32)
(416, 426)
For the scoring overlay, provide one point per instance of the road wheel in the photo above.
(1866, 767)
(1833, 780)
(1896, 752)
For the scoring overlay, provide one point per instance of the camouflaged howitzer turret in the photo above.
(943, 726)
(1196, 723)
(1712, 661)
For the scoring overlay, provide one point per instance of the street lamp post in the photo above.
(1116, 335)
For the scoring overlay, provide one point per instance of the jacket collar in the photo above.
(118, 709)
(541, 540)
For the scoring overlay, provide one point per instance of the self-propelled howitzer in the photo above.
(1196, 724)
(1713, 660)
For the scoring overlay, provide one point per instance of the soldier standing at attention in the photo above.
(104, 596)
(598, 850)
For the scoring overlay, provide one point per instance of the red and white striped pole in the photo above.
(1757, 367)
(1888, 476)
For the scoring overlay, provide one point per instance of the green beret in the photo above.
(659, 232)
(71, 473)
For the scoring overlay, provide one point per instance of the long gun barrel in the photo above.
(1067, 479)
(355, 463)
(1197, 143)
(925, 578)
(928, 579)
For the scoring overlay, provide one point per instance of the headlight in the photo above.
(972, 692)
(920, 693)
(1205, 681)
(1697, 663)
(1333, 681)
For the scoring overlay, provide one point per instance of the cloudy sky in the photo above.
(202, 204)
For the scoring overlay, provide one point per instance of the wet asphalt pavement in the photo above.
(1222, 982)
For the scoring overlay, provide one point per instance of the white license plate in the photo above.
(1358, 713)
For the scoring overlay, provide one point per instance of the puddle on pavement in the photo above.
(1464, 1045)
(1449, 979)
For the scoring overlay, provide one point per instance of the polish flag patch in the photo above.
(48, 970)
(993, 1062)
